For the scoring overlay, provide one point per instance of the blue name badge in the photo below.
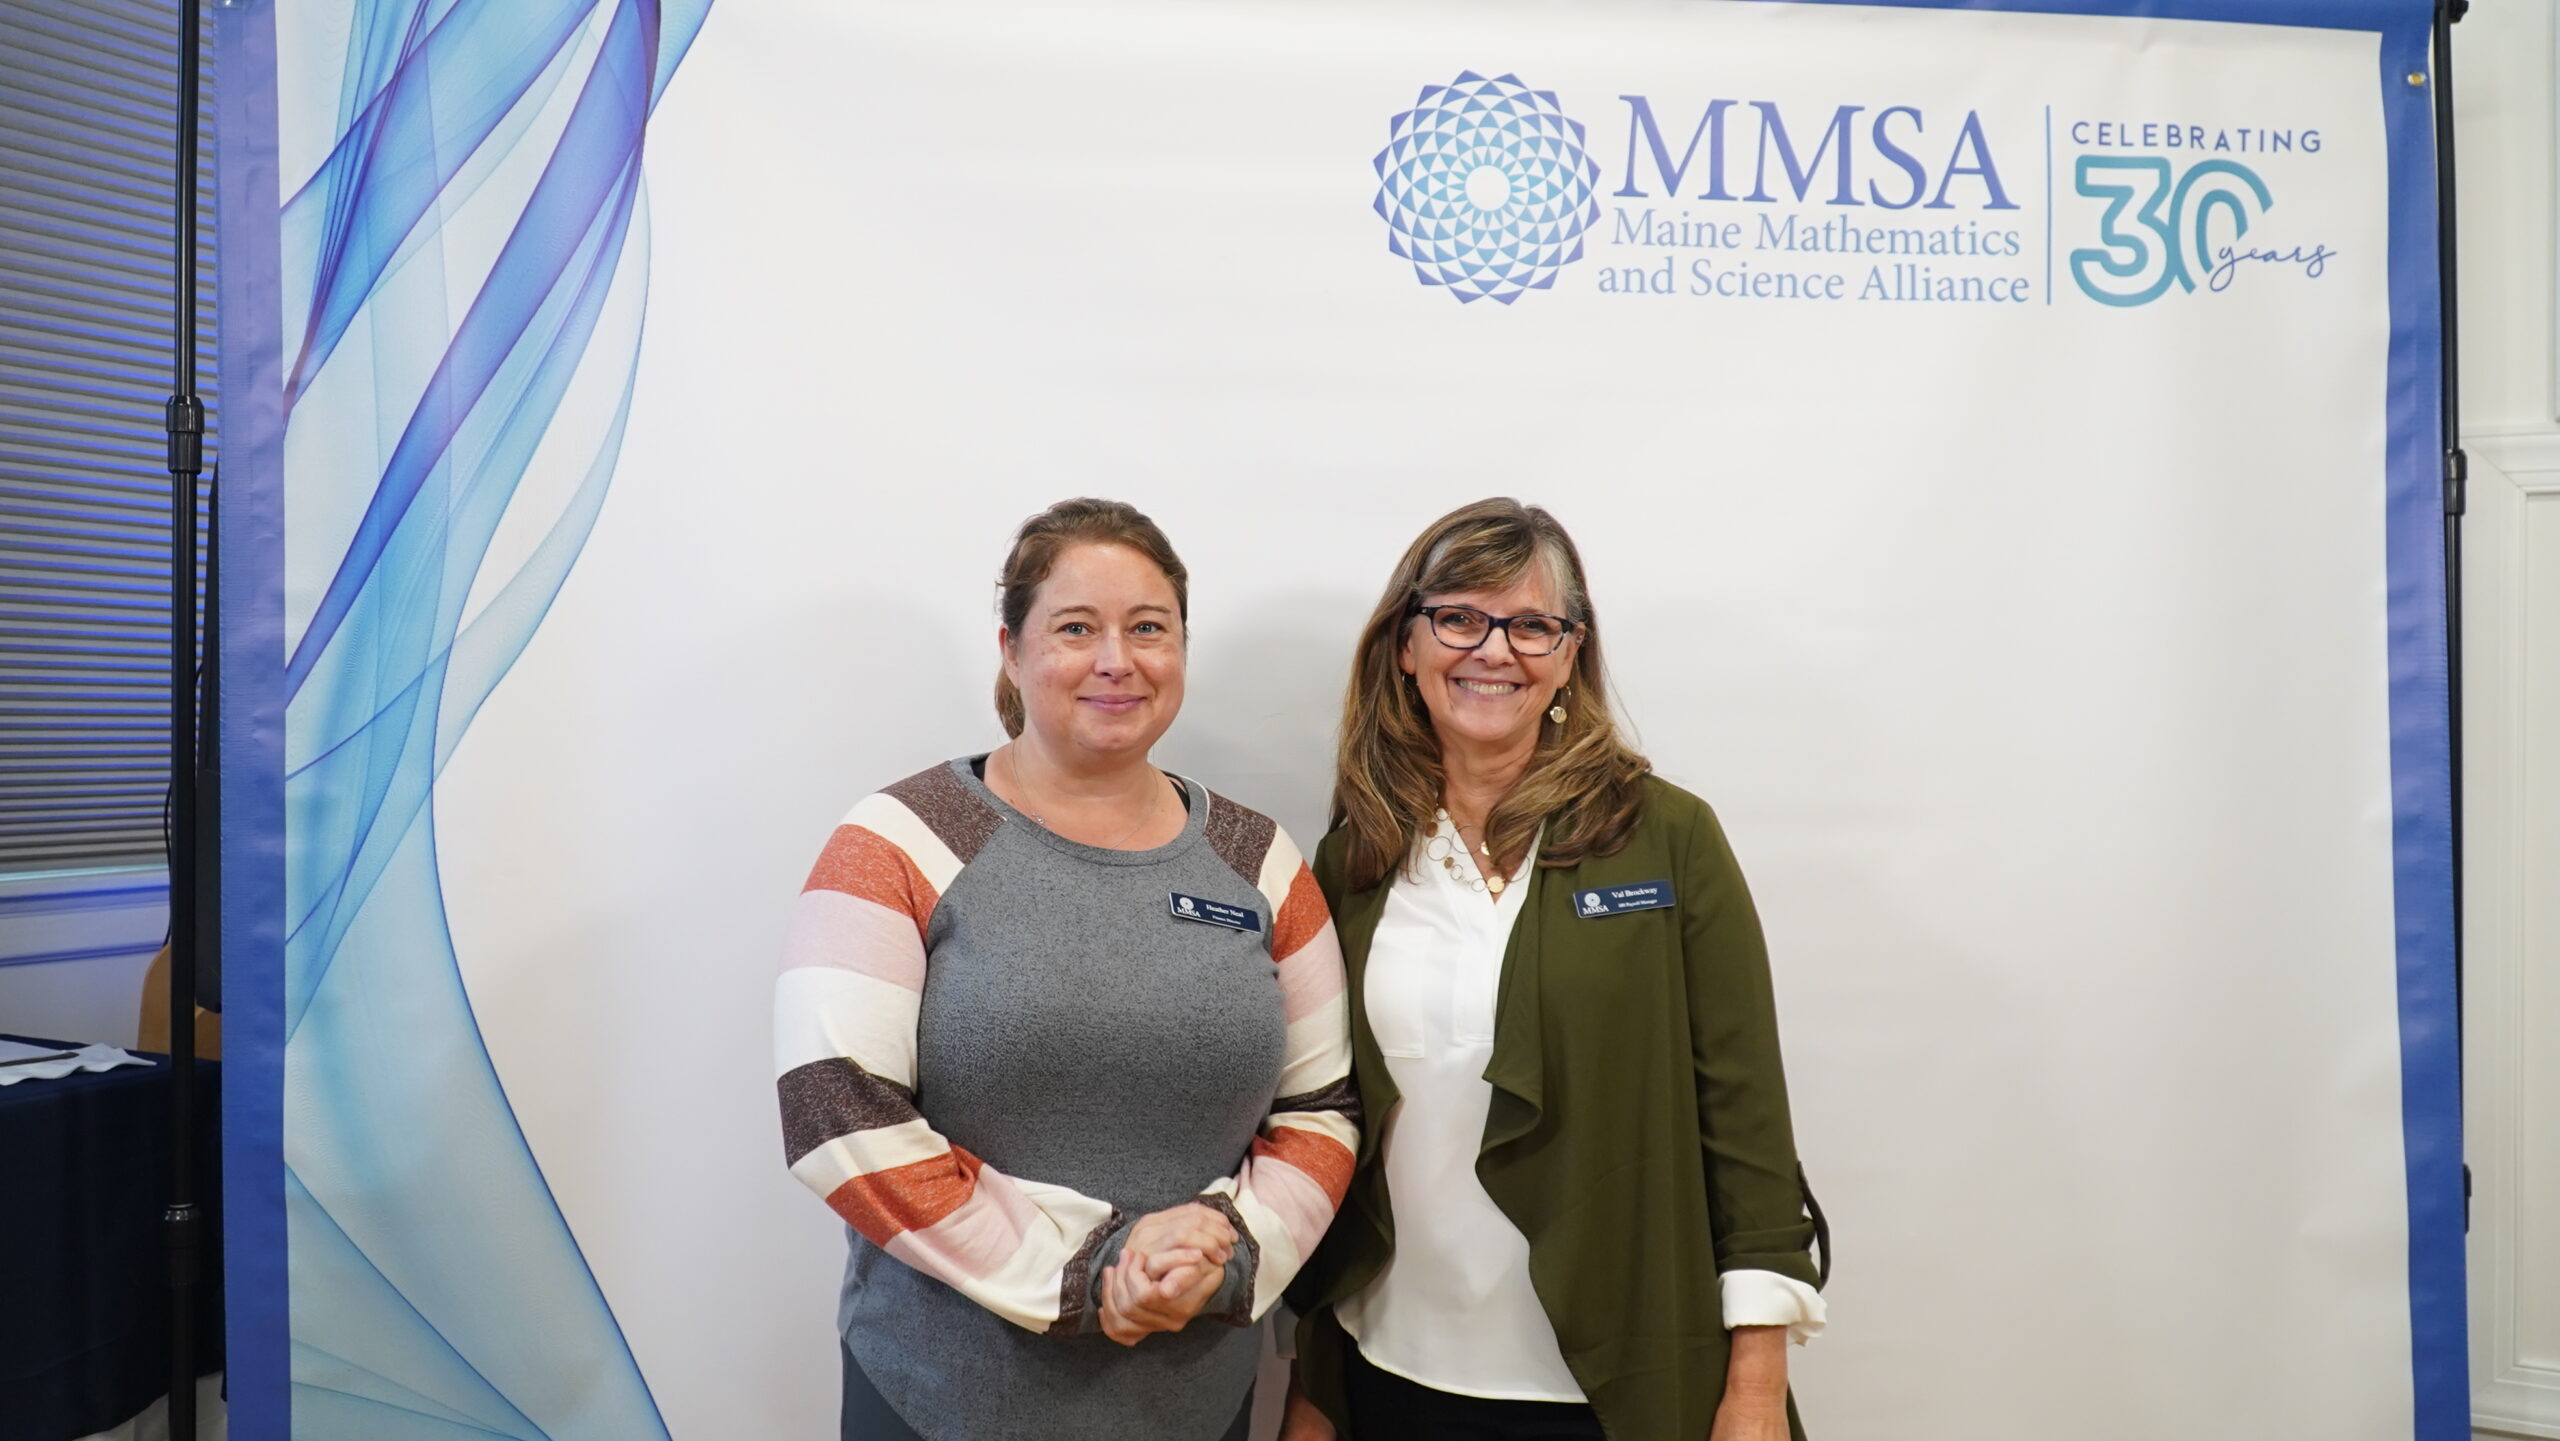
(1214, 913)
(1618, 900)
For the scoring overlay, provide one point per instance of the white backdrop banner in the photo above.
(2004, 442)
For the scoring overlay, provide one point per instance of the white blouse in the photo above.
(1454, 1309)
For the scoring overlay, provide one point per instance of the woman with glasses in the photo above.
(1577, 1204)
(1062, 1039)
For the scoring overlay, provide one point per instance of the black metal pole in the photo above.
(184, 420)
(2457, 480)
(2456, 467)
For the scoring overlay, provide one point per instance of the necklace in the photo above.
(1155, 802)
(1483, 881)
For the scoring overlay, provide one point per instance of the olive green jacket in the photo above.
(1638, 1135)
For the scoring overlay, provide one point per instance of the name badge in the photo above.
(1214, 913)
(1618, 900)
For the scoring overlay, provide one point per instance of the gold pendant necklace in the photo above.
(1438, 848)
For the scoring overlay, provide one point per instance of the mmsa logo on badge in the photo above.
(1486, 187)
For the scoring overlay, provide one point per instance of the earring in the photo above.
(1556, 712)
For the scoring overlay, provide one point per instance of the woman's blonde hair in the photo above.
(1052, 533)
(1584, 782)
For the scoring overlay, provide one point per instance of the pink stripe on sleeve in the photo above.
(1311, 976)
(979, 1239)
(1293, 1196)
(848, 932)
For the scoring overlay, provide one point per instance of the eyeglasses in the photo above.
(1463, 627)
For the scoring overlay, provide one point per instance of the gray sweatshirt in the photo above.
(999, 1048)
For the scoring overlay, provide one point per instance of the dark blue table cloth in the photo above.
(84, 1295)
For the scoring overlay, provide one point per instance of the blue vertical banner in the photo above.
(454, 273)
(251, 465)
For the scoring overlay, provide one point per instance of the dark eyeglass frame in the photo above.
(1565, 628)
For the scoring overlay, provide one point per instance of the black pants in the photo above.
(1387, 1407)
(867, 1417)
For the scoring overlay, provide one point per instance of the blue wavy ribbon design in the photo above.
(436, 1289)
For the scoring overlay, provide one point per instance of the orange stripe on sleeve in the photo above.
(1300, 917)
(861, 863)
(1326, 1161)
(906, 1198)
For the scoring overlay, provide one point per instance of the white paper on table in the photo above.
(83, 1058)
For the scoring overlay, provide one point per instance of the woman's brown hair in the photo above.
(1052, 533)
(1584, 782)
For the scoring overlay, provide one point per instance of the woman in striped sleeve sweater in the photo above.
(1063, 1040)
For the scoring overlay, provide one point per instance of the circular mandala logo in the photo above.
(1485, 187)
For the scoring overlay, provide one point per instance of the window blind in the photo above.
(88, 139)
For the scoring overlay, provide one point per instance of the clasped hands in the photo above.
(1169, 1268)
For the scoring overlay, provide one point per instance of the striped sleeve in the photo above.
(1299, 1164)
(845, 1012)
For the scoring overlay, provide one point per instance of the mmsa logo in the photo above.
(1486, 187)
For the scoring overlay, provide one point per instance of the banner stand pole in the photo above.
(184, 421)
(2457, 479)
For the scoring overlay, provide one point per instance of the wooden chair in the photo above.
(155, 1014)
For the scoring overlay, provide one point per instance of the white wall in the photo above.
(2504, 65)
